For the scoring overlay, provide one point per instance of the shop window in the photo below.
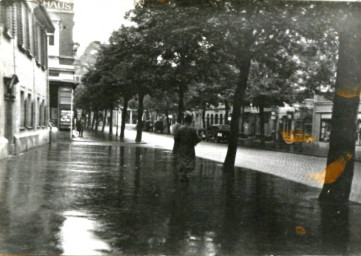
(216, 119)
(221, 119)
(325, 130)
(22, 110)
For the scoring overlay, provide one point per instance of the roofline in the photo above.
(43, 15)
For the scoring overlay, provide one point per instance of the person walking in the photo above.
(185, 140)
(80, 127)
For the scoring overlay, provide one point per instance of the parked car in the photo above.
(219, 132)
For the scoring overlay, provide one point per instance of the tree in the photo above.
(231, 32)
(345, 105)
(245, 32)
(83, 65)
(179, 33)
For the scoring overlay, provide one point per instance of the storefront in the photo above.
(61, 107)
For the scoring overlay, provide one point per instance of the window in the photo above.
(38, 114)
(207, 120)
(221, 119)
(19, 22)
(43, 48)
(42, 114)
(40, 42)
(32, 115)
(36, 41)
(8, 19)
(45, 111)
(216, 119)
(23, 26)
(27, 28)
(22, 110)
(28, 111)
(51, 39)
(325, 130)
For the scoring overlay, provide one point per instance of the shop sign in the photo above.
(59, 5)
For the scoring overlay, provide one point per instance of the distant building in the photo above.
(322, 115)
(24, 90)
(61, 65)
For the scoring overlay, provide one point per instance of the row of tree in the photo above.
(187, 54)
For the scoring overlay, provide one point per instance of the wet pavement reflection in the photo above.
(84, 199)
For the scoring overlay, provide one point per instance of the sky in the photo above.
(95, 20)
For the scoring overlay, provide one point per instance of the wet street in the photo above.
(90, 198)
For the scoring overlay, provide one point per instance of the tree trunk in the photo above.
(104, 119)
(111, 123)
(124, 117)
(227, 112)
(242, 118)
(97, 120)
(345, 109)
(140, 118)
(261, 125)
(89, 118)
(168, 123)
(244, 62)
(180, 104)
(204, 116)
(93, 121)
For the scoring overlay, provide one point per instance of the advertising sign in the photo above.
(65, 119)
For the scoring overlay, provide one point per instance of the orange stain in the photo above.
(347, 95)
(300, 230)
(336, 168)
(349, 92)
(293, 137)
(333, 171)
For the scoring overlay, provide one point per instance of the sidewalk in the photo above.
(295, 167)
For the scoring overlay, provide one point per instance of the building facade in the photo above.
(24, 89)
(322, 114)
(61, 66)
